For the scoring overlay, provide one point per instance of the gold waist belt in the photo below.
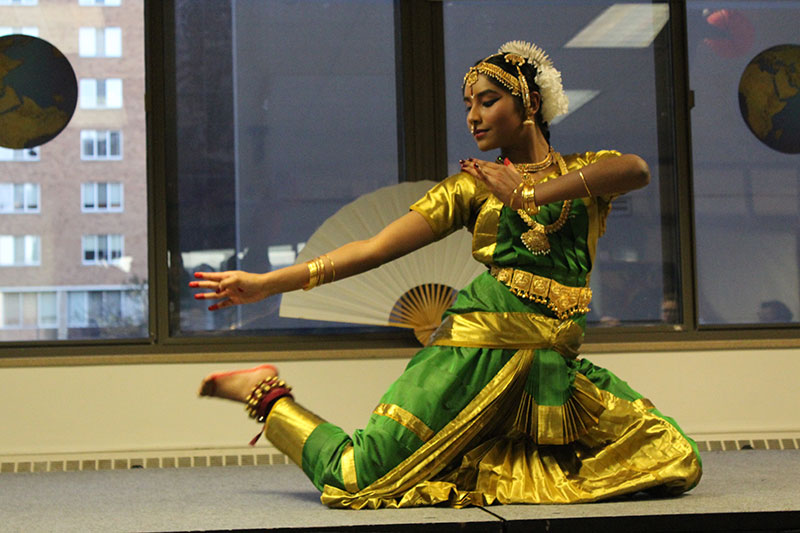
(563, 300)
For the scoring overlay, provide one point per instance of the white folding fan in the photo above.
(410, 292)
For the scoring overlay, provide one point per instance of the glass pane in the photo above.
(746, 141)
(58, 224)
(292, 129)
(616, 77)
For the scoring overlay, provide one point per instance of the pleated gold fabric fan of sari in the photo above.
(410, 292)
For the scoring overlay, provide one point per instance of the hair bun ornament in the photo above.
(554, 99)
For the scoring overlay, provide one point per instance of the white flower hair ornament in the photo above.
(554, 100)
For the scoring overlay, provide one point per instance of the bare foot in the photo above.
(237, 384)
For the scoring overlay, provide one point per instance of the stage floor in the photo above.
(749, 490)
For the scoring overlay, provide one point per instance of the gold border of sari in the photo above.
(406, 419)
(439, 451)
(482, 329)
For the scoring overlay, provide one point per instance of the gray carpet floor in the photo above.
(750, 490)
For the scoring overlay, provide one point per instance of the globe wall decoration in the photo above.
(769, 97)
(38, 91)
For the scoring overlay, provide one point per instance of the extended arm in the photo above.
(612, 175)
(403, 236)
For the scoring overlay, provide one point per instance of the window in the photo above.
(25, 154)
(19, 198)
(109, 308)
(99, 249)
(20, 250)
(18, 2)
(78, 184)
(242, 143)
(745, 164)
(636, 248)
(33, 31)
(273, 137)
(101, 197)
(28, 310)
(101, 93)
(101, 145)
(100, 42)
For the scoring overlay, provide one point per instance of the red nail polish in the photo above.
(507, 162)
(213, 307)
(193, 284)
(198, 275)
(198, 296)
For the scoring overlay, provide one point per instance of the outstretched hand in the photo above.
(233, 287)
(501, 179)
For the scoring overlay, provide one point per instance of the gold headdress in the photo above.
(554, 101)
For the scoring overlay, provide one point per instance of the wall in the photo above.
(152, 407)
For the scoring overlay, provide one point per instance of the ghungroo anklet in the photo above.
(263, 395)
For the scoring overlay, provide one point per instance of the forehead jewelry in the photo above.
(553, 101)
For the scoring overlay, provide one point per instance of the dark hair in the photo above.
(780, 312)
(530, 72)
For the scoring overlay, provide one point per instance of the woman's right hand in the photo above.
(233, 287)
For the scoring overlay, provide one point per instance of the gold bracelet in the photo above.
(516, 192)
(529, 200)
(583, 179)
(333, 268)
(313, 275)
(321, 270)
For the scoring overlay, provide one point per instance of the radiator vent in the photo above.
(748, 444)
(183, 460)
(195, 460)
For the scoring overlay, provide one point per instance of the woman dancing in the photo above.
(498, 407)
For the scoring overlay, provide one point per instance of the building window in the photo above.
(19, 197)
(99, 2)
(100, 42)
(104, 308)
(101, 145)
(20, 250)
(101, 197)
(29, 310)
(99, 249)
(32, 31)
(25, 154)
(102, 93)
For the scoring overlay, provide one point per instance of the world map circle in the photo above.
(769, 97)
(38, 91)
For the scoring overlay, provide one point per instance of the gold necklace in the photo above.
(535, 239)
(530, 168)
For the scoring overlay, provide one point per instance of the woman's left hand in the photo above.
(501, 179)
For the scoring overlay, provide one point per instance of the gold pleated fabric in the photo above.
(628, 449)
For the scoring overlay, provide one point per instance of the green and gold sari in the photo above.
(498, 408)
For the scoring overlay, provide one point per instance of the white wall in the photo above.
(150, 407)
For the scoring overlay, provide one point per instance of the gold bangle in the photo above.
(313, 275)
(333, 268)
(583, 179)
(516, 192)
(529, 200)
(321, 270)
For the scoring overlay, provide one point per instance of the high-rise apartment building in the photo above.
(73, 212)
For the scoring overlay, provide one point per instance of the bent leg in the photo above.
(435, 387)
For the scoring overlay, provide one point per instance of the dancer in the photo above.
(498, 407)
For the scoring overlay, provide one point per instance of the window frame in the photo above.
(108, 239)
(95, 134)
(95, 190)
(422, 145)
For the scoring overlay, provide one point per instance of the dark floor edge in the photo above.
(761, 521)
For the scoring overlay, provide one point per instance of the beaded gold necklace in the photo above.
(535, 239)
